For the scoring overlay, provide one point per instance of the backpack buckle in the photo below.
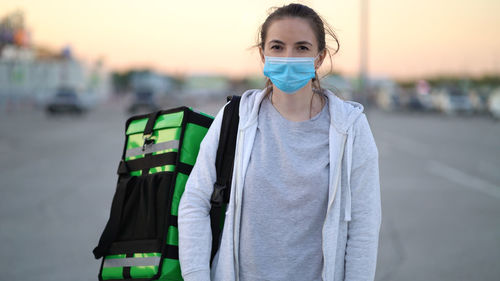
(148, 140)
(218, 195)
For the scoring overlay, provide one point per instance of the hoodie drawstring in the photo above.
(347, 211)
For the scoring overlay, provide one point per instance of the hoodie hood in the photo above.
(342, 113)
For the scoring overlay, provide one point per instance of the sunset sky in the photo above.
(407, 38)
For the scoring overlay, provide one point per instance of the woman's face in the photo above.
(291, 37)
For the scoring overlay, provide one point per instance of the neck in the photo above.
(300, 106)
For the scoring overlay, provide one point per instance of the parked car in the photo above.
(454, 100)
(143, 101)
(418, 102)
(66, 100)
(494, 104)
(479, 100)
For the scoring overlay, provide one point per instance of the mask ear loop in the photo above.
(315, 69)
(315, 58)
(316, 79)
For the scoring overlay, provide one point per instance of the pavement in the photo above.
(440, 196)
(439, 181)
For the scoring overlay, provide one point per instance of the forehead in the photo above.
(291, 30)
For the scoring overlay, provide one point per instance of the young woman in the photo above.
(305, 199)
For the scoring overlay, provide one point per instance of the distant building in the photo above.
(206, 86)
(158, 83)
(32, 74)
(24, 76)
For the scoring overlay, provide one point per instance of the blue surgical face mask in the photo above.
(289, 74)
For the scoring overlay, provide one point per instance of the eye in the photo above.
(275, 47)
(303, 48)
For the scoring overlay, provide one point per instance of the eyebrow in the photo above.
(276, 41)
(303, 42)
(297, 43)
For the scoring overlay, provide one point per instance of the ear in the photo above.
(262, 57)
(321, 58)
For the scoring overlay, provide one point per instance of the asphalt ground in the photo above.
(440, 185)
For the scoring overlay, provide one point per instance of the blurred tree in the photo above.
(121, 81)
(487, 80)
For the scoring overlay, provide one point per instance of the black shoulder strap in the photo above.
(224, 167)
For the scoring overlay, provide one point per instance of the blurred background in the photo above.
(72, 72)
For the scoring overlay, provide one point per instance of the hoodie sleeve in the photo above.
(195, 234)
(363, 229)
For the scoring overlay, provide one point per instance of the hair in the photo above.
(319, 26)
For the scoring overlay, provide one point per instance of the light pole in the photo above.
(363, 67)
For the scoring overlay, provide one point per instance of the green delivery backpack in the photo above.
(140, 240)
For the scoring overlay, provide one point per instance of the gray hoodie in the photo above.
(352, 223)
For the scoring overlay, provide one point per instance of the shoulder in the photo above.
(344, 114)
(364, 142)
